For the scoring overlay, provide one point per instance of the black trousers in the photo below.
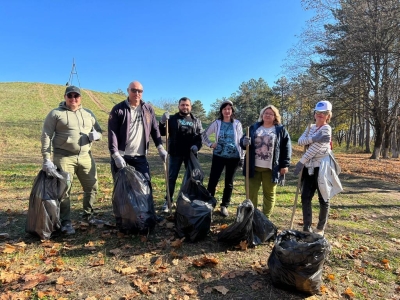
(217, 166)
(309, 186)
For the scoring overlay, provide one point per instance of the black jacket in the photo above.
(282, 151)
(179, 143)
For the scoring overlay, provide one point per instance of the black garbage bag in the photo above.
(43, 216)
(263, 229)
(133, 203)
(194, 205)
(242, 228)
(297, 260)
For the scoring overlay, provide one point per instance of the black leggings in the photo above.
(309, 186)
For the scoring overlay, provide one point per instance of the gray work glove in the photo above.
(246, 141)
(165, 117)
(50, 169)
(298, 168)
(163, 154)
(119, 161)
(48, 165)
(94, 135)
(194, 149)
(321, 137)
(281, 180)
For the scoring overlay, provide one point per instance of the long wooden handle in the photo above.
(166, 168)
(295, 199)
(247, 166)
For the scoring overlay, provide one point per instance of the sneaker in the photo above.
(165, 208)
(307, 229)
(159, 218)
(319, 231)
(94, 222)
(68, 229)
(224, 211)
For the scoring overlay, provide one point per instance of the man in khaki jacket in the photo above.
(68, 132)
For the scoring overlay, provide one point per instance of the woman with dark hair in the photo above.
(270, 151)
(226, 151)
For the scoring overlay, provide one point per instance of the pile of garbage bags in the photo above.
(43, 218)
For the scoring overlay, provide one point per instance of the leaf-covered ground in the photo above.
(101, 263)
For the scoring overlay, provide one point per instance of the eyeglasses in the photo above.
(325, 112)
(136, 91)
(70, 96)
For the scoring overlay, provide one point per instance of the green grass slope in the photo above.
(24, 105)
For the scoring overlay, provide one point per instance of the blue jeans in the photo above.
(174, 166)
(217, 166)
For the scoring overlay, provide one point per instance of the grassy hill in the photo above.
(24, 106)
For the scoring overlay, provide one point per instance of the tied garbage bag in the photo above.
(242, 228)
(194, 205)
(132, 201)
(297, 260)
(43, 216)
(263, 229)
(192, 183)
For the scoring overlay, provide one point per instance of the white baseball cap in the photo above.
(323, 106)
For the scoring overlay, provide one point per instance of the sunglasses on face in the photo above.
(70, 96)
(322, 112)
(136, 91)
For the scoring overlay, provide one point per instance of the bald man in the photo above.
(130, 125)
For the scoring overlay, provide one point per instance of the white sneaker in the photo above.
(319, 231)
(165, 208)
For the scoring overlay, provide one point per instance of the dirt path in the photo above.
(96, 101)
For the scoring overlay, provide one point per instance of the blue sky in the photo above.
(199, 49)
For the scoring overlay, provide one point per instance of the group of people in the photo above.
(69, 131)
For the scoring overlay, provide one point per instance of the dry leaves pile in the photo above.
(164, 267)
(386, 170)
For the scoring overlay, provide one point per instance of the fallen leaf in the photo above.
(188, 278)
(220, 288)
(30, 284)
(242, 245)
(9, 248)
(115, 251)
(7, 277)
(206, 275)
(188, 290)
(349, 292)
(158, 261)
(208, 290)
(177, 243)
(205, 261)
(126, 271)
(257, 285)
(60, 280)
